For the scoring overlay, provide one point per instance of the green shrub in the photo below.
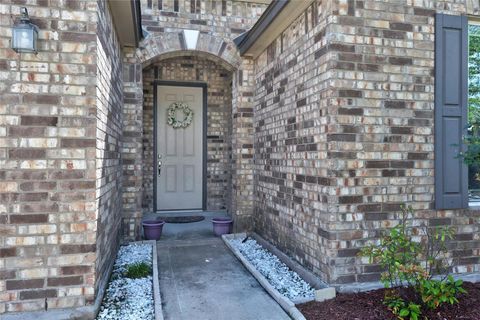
(408, 263)
(401, 309)
(398, 255)
(436, 292)
(138, 270)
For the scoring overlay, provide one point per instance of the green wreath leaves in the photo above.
(172, 115)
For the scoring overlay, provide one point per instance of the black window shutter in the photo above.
(451, 88)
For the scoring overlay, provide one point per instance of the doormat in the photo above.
(181, 219)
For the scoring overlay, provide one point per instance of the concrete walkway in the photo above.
(200, 279)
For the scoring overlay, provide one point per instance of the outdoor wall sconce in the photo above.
(24, 34)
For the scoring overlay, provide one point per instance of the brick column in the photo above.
(241, 207)
(132, 151)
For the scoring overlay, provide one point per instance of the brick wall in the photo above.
(344, 134)
(224, 18)
(109, 143)
(241, 206)
(293, 191)
(385, 83)
(59, 156)
(219, 107)
(132, 145)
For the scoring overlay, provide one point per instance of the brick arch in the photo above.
(172, 44)
(162, 46)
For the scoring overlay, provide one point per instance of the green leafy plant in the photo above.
(435, 250)
(436, 292)
(411, 311)
(398, 255)
(402, 309)
(138, 270)
(413, 264)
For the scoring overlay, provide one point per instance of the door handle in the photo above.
(159, 167)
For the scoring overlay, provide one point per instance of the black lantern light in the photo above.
(24, 34)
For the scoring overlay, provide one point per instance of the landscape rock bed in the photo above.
(279, 275)
(127, 298)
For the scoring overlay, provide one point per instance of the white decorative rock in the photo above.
(279, 275)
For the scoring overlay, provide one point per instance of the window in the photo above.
(473, 118)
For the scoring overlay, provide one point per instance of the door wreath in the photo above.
(172, 115)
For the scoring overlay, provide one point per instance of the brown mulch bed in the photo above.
(369, 306)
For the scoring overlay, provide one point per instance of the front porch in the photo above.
(193, 231)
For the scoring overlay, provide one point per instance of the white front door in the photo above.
(179, 151)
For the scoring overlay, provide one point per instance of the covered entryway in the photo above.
(187, 125)
(180, 126)
(228, 143)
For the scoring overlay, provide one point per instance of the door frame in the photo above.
(204, 87)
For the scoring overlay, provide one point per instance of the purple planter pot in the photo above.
(152, 229)
(222, 226)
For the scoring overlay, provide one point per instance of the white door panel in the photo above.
(180, 182)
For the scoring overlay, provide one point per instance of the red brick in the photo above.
(73, 270)
(7, 274)
(350, 199)
(41, 99)
(38, 121)
(78, 185)
(78, 143)
(27, 153)
(28, 218)
(77, 248)
(9, 197)
(39, 207)
(68, 197)
(38, 294)
(25, 284)
(18, 131)
(26, 175)
(34, 186)
(70, 174)
(77, 37)
(7, 252)
(34, 196)
(64, 281)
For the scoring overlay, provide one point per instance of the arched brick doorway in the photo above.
(211, 59)
(190, 68)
